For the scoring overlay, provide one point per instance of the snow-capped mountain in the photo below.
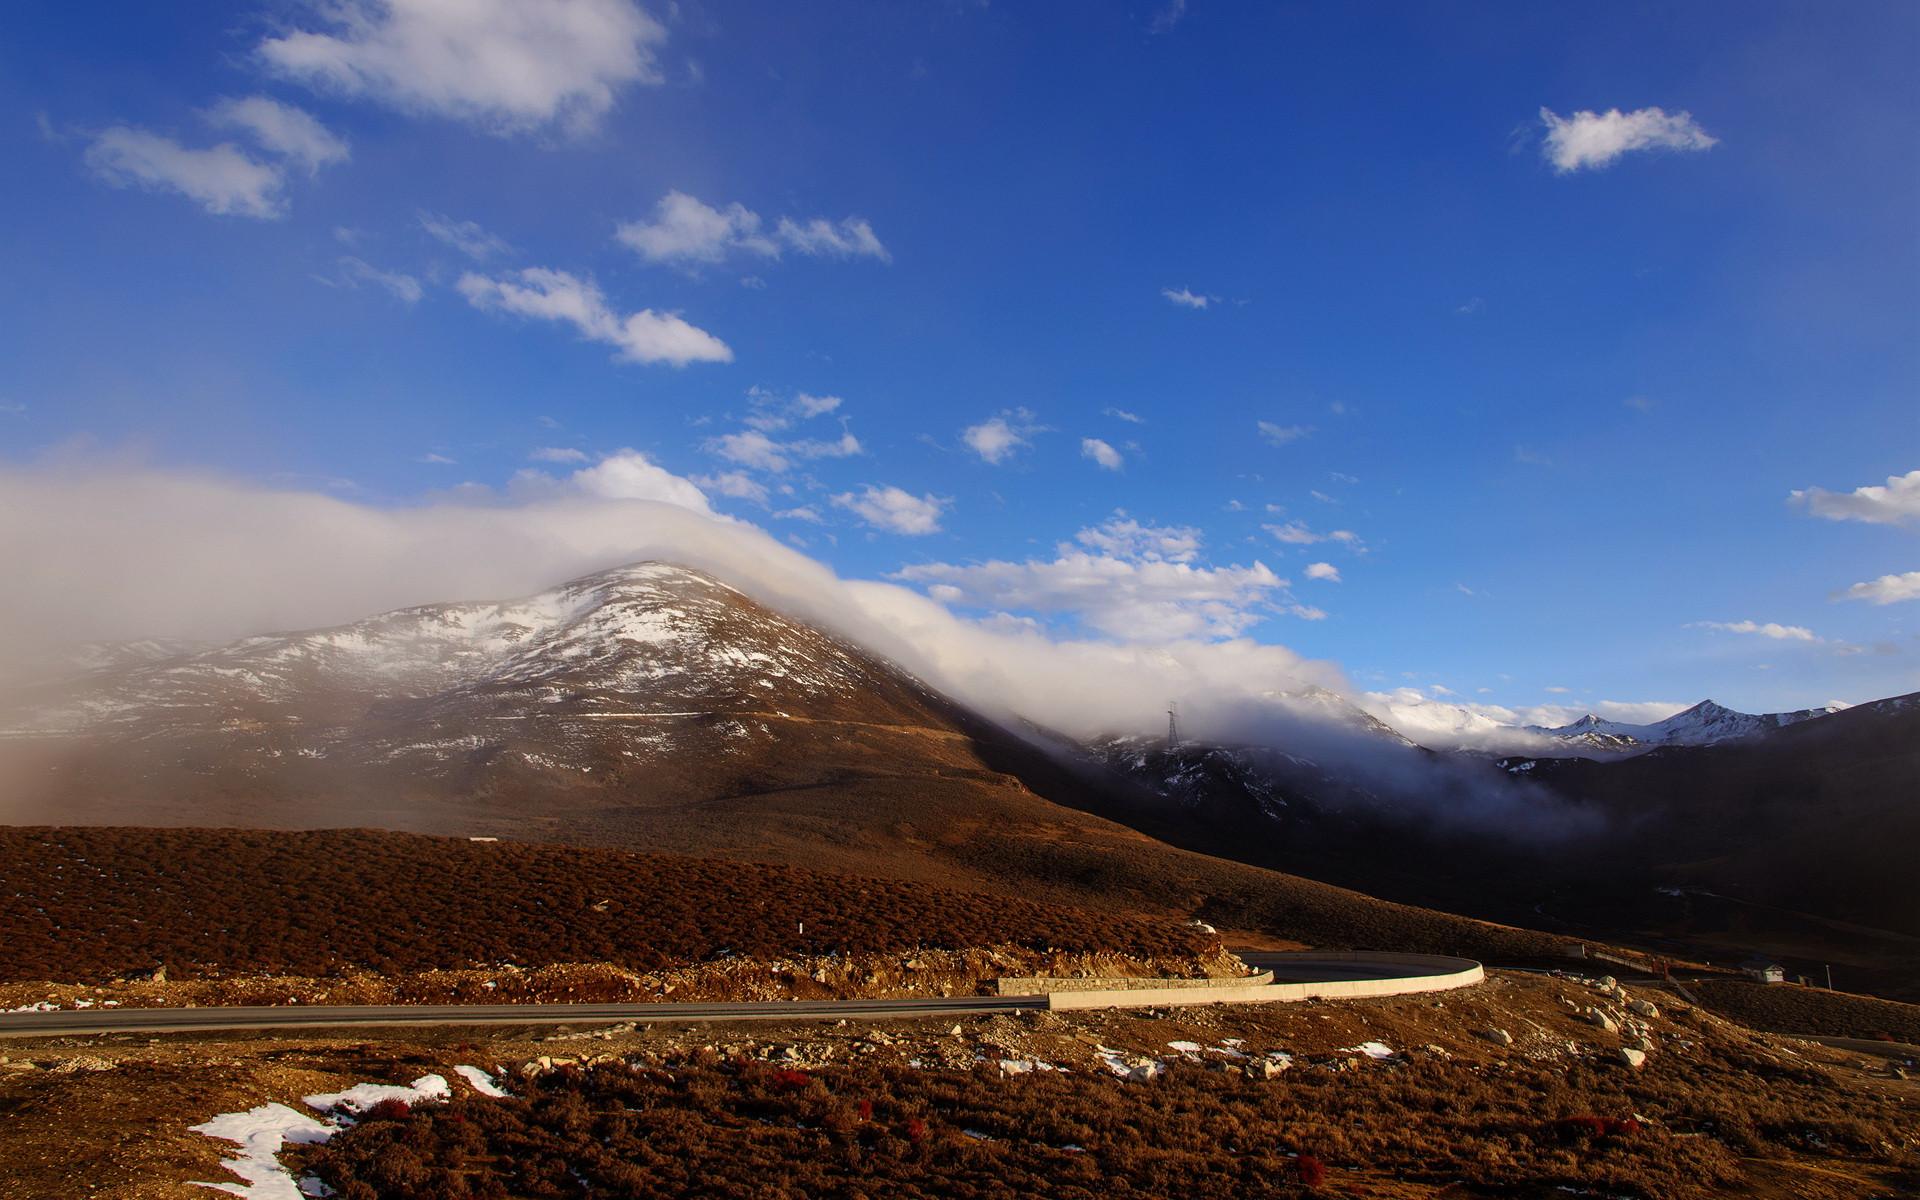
(614, 669)
(1440, 725)
(1705, 724)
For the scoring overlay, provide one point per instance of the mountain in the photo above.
(1705, 724)
(1444, 726)
(1788, 833)
(648, 707)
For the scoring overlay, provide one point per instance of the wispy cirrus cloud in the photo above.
(685, 231)
(1765, 629)
(1187, 298)
(999, 438)
(357, 272)
(468, 237)
(1276, 434)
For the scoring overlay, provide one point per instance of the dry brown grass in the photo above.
(704, 1127)
(93, 903)
(1790, 1008)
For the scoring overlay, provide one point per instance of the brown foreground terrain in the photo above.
(91, 904)
(1399, 1098)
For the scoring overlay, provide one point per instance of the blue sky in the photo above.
(1552, 381)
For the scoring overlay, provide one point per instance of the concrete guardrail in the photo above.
(1417, 973)
(1037, 985)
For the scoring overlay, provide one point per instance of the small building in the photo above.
(1764, 970)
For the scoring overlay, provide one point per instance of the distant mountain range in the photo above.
(1442, 726)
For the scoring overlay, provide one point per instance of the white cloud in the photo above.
(1168, 16)
(219, 559)
(224, 179)
(734, 484)
(1123, 537)
(1594, 140)
(998, 438)
(281, 129)
(1133, 600)
(806, 406)
(1898, 503)
(1121, 414)
(803, 512)
(356, 271)
(438, 460)
(631, 475)
(1100, 452)
(1186, 299)
(505, 65)
(1766, 629)
(850, 237)
(1297, 533)
(752, 448)
(686, 230)
(1326, 571)
(1888, 589)
(769, 412)
(895, 510)
(465, 236)
(1280, 435)
(558, 454)
(646, 336)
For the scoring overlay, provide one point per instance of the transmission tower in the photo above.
(1173, 727)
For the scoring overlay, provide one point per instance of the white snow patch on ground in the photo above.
(1370, 1049)
(261, 1133)
(481, 1081)
(363, 1096)
(1136, 1069)
(42, 1006)
(1186, 1047)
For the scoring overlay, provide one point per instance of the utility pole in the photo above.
(1829, 976)
(1173, 727)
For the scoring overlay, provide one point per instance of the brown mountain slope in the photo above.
(647, 708)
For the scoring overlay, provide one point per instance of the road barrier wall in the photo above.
(1037, 985)
(1430, 973)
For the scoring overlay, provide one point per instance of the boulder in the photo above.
(1602, 1021)
(1641, 1008)
(1633, 1058)
(1498, 1037)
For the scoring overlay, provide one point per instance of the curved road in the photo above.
(1308, 967)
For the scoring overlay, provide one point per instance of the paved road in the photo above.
(1302, 967)
(184, 1020)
